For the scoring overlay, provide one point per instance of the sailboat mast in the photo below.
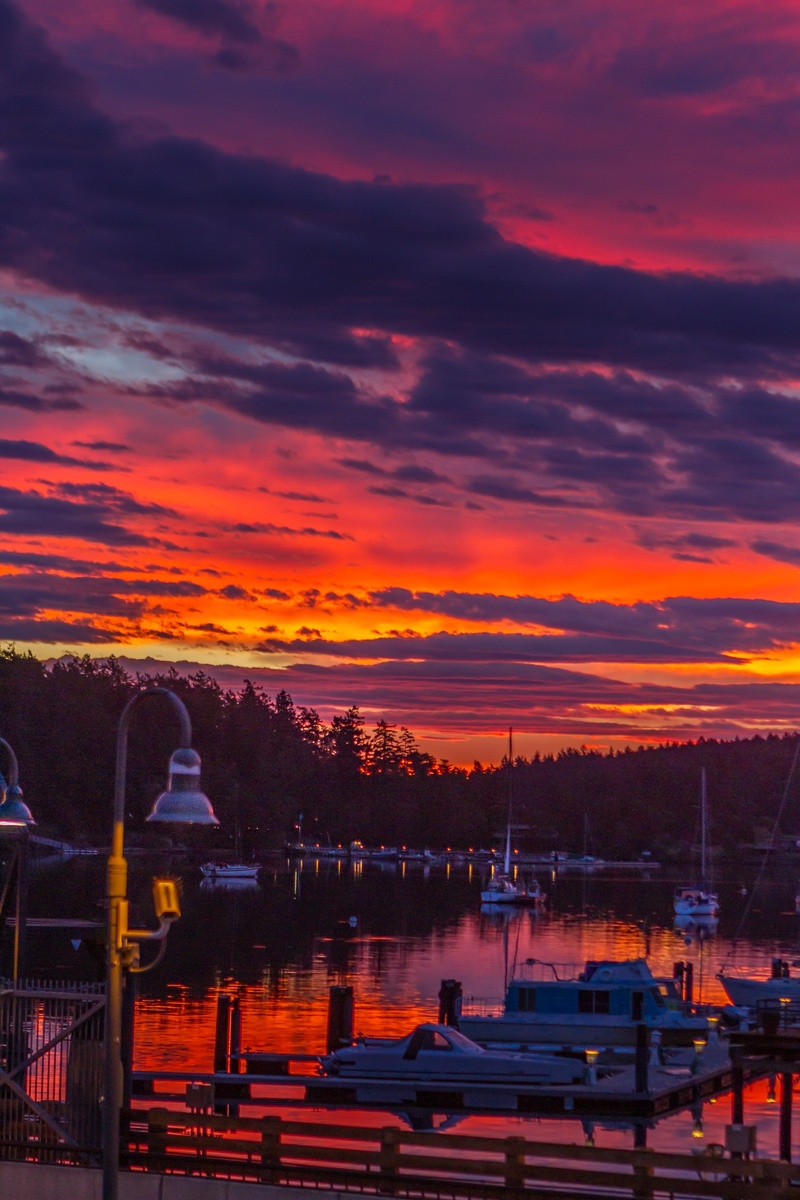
(507, 859)
(703, 826)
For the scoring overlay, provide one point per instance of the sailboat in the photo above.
(217, 872)
(697, 900)
(501, 888)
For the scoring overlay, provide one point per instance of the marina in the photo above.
(273, 948)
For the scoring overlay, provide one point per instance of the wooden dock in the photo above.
(681, 1080)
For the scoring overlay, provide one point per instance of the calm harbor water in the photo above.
(280, 946)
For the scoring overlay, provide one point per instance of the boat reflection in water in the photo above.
(697, 927)
(232, 883)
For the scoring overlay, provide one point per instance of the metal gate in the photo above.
(51, 1070)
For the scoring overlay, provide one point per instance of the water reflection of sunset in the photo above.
(412, 932)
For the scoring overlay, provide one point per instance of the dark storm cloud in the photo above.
(224, 17)
(108, 447)
(38, 453)
(681, 624)
(173, 228)
(112, 497)
(53, 632)
(148, 225)
(452, 697)
(61, 562)
(27, 595)
(682, 541)
(245, 42)
(505, 488)
(19, 352)
(30, 514)
(503, 647)
(12, 398)
(288, 531)
(777, 551)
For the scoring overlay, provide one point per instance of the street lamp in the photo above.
(15, 817)
(182, 802)
(14, 812)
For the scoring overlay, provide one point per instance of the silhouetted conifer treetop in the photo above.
(266, 760)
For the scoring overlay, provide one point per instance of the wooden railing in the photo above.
(395, 1162)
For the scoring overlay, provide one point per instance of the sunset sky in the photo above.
(435, 356)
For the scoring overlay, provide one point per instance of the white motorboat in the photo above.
(600, 1006)
(746, 991)
(441, 1053)
(697, 900)
(217, 870)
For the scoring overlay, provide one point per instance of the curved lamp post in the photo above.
(15, 817)
(184, 803)
(14, 812)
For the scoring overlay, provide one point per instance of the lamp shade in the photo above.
(183, 802)
(13, 809)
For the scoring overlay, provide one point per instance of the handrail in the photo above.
(159, 1138)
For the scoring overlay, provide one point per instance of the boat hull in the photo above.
(696, 903)
(230, 871)
(746, 993)
(573, 1030)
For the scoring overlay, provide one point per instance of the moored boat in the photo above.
(600, 1006)
(747, 991)
(502, 890)
(219, 870)
(441, 1053)
(697, 900)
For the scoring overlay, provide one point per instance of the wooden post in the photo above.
(678, 969)
(450, 1002)
(515, 1163)
(642, 1058)
(785, 1151)
(340, 1018)
(737, 1093)
(222, 1037)
(642, 1175)
(389, 1160)
(157, 1137)
(688, 983)
(235, 1039)
(270, 1149)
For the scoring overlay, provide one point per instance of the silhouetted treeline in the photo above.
(266, 761)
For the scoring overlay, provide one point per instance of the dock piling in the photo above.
(678, 970)
(785, 1150)
(450, 995)
(340, 1018)
(642, 1058)
(235, 1035)
(222, 1035)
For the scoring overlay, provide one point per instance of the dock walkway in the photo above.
(681, 1080)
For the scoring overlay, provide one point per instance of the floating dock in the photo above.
(681, 1080)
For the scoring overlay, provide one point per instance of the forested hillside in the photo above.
(265, 761)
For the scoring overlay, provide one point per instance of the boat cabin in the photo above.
(626, 990)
